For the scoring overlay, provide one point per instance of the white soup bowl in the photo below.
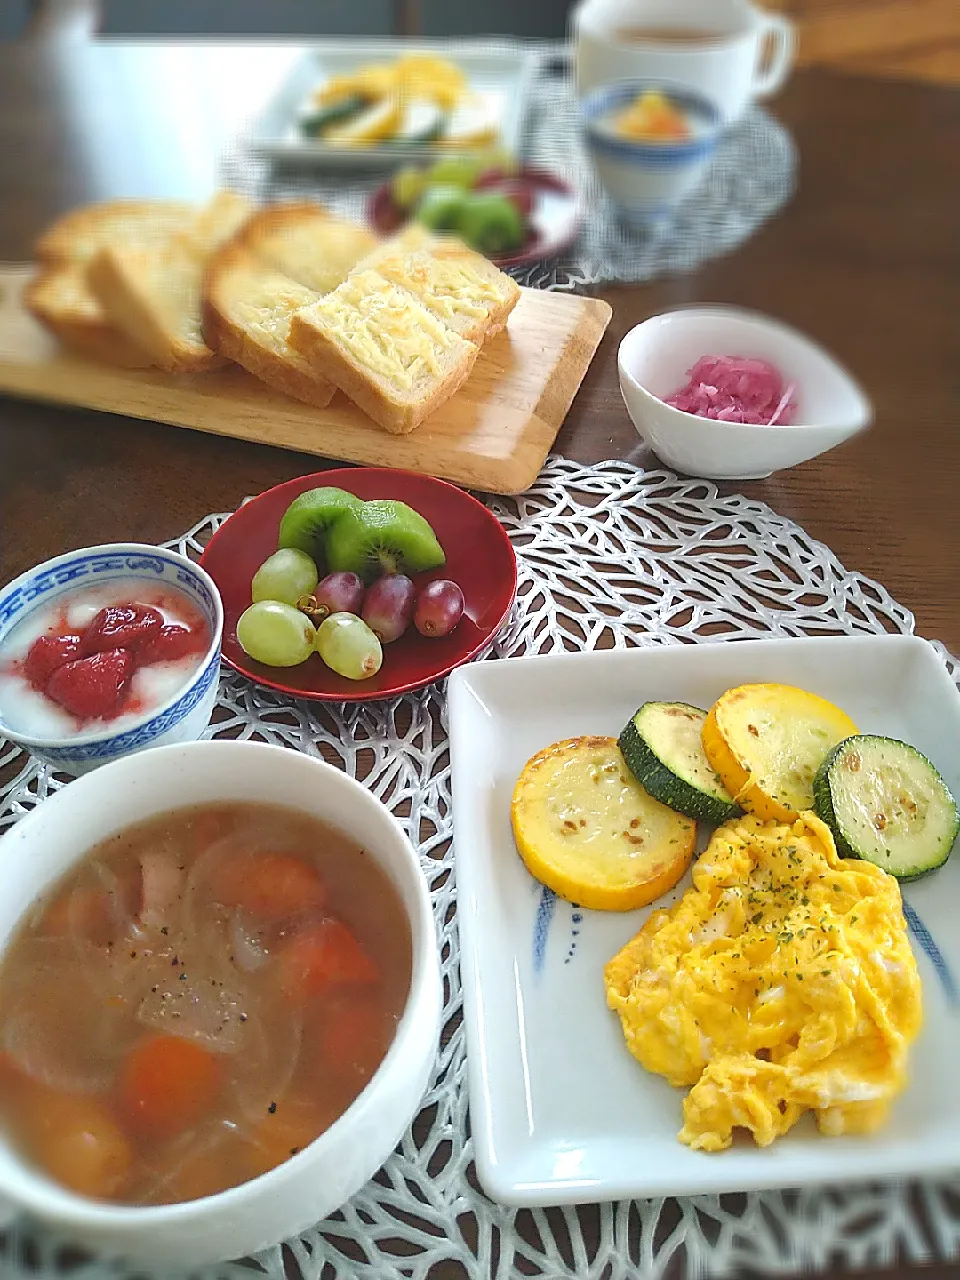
(44, 845)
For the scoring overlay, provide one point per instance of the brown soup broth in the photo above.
(197, 1000)
(667, 35)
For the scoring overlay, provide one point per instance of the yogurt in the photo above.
(28, 711)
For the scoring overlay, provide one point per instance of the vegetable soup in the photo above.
(197, 1000)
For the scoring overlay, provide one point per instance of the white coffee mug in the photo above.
(735, 52)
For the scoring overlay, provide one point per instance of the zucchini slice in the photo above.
(587, 829)
(886, 803)
(423, 122)
(662, 746)
(766, 743)
(336, 112)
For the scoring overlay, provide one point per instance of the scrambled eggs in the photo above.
(783, 981)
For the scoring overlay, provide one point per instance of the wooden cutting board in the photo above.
(493, 435)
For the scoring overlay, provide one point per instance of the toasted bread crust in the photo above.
(228, 335)
(336, 364)
(117, 282)
(220, 220)
(276, 218)
(75, 236)
(232, 342)
(106, 346)
(306, 242)
(153, 291)
(81, 326)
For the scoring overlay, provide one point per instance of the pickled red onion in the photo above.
(736, 389)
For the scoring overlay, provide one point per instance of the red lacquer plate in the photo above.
(479, 557)
(554, 221)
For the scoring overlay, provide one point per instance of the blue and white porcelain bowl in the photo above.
(182, 717)
(647, 181)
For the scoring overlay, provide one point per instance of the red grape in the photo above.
(439, 608)
(491, 178)
(337, 593)
(388, 606)
(522, 195)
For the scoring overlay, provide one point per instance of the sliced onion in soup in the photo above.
(262, 1074)
(199, 894)
(247, 944)
(65, 1034)
(197, 1163)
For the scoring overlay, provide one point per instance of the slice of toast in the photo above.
(247, 309)
(462, 288)
(307, 243)
(384, 349)
(154, 294)
(59, 298)
(78, 235)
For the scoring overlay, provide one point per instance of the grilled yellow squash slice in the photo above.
(766, 743)
(587, 829)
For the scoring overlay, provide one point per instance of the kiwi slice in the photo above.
(309, 517)
(383, 536)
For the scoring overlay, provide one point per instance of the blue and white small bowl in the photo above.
(647, 181)
(183, 717)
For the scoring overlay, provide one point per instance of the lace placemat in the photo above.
(751, 178)
(607, 555)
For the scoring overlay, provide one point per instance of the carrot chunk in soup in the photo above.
(355, 1034)
(166, 1084)
(271, 886)
(197, 1001)
(76, 1140)
(321, 956)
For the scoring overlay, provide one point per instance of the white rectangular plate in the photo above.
(502, 76)
(560, 1111)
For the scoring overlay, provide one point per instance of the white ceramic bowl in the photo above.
(656, 356)
(181, 718)
(646, 181)
(297, 1194)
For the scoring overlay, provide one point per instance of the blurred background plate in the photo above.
(501, 75)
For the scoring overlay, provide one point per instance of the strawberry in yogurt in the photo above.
(100, 657)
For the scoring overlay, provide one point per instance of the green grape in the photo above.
(454, 171)
(407, 188)
(348, 646)
(276, 634)
(286, 576)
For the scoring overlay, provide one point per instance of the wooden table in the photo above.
(865, 259)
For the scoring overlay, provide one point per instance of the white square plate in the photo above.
(560, 1112)
(500, 76)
